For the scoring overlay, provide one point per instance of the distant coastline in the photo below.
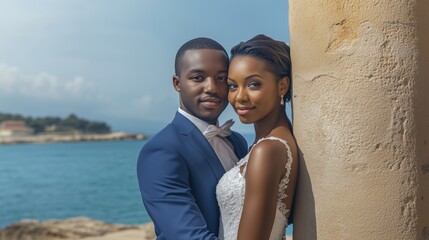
(74, 137)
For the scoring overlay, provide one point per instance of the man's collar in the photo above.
(200, 124)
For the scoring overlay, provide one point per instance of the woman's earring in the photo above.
(282, 102)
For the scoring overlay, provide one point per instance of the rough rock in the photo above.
(74, 228)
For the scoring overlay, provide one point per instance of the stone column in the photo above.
(361, 118)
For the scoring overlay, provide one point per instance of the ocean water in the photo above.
(63, 180)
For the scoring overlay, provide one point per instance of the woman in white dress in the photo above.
(255, 196)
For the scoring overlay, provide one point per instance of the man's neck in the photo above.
(199, 123)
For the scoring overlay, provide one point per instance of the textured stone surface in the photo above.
(361, 118)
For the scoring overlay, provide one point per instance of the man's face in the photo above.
(202, 83)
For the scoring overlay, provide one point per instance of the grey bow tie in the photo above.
(222, 131)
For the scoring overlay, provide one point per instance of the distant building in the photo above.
(14, 128)
(51, 128)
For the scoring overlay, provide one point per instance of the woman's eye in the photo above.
(254, 85)
(232, 86)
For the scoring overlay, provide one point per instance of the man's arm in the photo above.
(164, 185)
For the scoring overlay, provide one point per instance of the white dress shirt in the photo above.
(221, 146)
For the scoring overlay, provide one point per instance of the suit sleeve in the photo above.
(164, 185)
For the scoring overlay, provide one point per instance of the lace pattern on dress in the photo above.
(284, 181)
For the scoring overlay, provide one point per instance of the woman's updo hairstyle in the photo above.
(276, 53)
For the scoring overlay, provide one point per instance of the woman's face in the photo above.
(253, 89)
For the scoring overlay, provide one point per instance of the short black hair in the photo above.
(276, 53)
(197, 43)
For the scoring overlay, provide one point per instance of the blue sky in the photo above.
(113, 60)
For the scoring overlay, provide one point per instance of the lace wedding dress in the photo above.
(230, 195)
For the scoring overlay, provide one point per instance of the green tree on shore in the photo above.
(71, 123)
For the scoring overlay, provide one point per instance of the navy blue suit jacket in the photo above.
(178, 172)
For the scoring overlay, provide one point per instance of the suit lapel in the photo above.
(239, 150)
(193, 135)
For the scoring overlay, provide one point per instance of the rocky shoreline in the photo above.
(56, 138)
(76, 229)
(79, 228)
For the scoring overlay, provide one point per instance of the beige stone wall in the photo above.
(361, 118)
(422, 117)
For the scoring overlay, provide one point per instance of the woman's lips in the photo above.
(243, 110)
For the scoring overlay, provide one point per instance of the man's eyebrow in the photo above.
(196, 70)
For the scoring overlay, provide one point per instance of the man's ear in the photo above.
(284, 85)
(176, 83)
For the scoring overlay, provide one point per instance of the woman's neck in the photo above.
(265, 126)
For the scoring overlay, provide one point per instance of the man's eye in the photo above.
(222, 79)
(197, 78)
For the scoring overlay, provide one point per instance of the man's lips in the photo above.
(243, 110)
(211, 102)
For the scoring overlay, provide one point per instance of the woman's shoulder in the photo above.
(275, 142)
(267, 161)
(270, 150)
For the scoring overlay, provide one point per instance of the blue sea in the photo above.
(63, 180)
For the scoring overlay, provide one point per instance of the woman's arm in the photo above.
(265, 168)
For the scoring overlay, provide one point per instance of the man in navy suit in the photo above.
(179, 168)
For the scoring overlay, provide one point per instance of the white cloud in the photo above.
(77, 86)
(143, 103)
(7, 78)
(44, 85)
